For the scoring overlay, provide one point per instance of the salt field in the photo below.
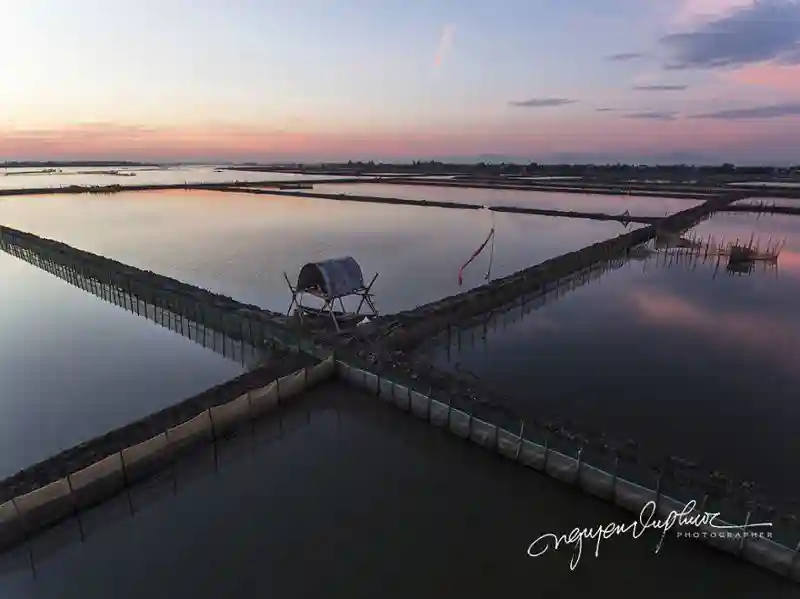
(639, 206)
(675, 353)
(240, 244)
(73, 366)
(679, 354)
(345, 301)
(23, 178)
(373, 503)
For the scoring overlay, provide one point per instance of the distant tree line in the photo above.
(487, 169)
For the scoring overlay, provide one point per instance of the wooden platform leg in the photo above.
(366, 298)
(294, 294)
(329, 306)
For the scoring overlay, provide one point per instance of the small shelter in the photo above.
(328, 281)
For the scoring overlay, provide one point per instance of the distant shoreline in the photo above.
(72, 164)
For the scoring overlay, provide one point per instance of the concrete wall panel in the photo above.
(402, 400)
(373, 383)
(460, 423)
(264, 399)
(291, 385)
(772, 556)
(144, 457)
(319, 373)
(190, 432)
(508, 444)
(721, 542)
(439, 413)
(357, 377)
(45, 505)
(562, 467)
(8, 514)
(631, 496)
(532, 455)
(300, 382)
(11, 531)
(229, 415)
(666, 505)
(596, 482)
(483, 433)
(98, 481)
(387, 390)
(55, 492)
(420, 404)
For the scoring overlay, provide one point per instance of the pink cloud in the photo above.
(649, 136)
(533, 138)
(105, 139)
(783, 77)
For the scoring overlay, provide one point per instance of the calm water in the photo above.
(142, 176)
(683, 361)
(770, 201)
(73, 366)
(343, 497)
(639, 206)
(240, 244)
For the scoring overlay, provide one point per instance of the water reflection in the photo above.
(240, 244)
(352, 500)
(733, 258)
(240, 347)
(73, 367)
(685, 363)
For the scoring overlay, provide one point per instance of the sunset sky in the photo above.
(400, 79)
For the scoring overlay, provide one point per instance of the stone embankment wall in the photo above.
(405, 330)
(573, 470)
(236, 342)
(224, 314)
(87, 474)
(31, 497)
(451, 205)
(664, 191)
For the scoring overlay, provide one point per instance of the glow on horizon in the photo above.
(174, 80)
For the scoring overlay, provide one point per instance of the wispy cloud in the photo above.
(695, 11)
(607, 109)
(625, 56)
(446, 38)
(653, 115)
(773, 111)
(768, 30)
(660, 88)
(541, 102)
